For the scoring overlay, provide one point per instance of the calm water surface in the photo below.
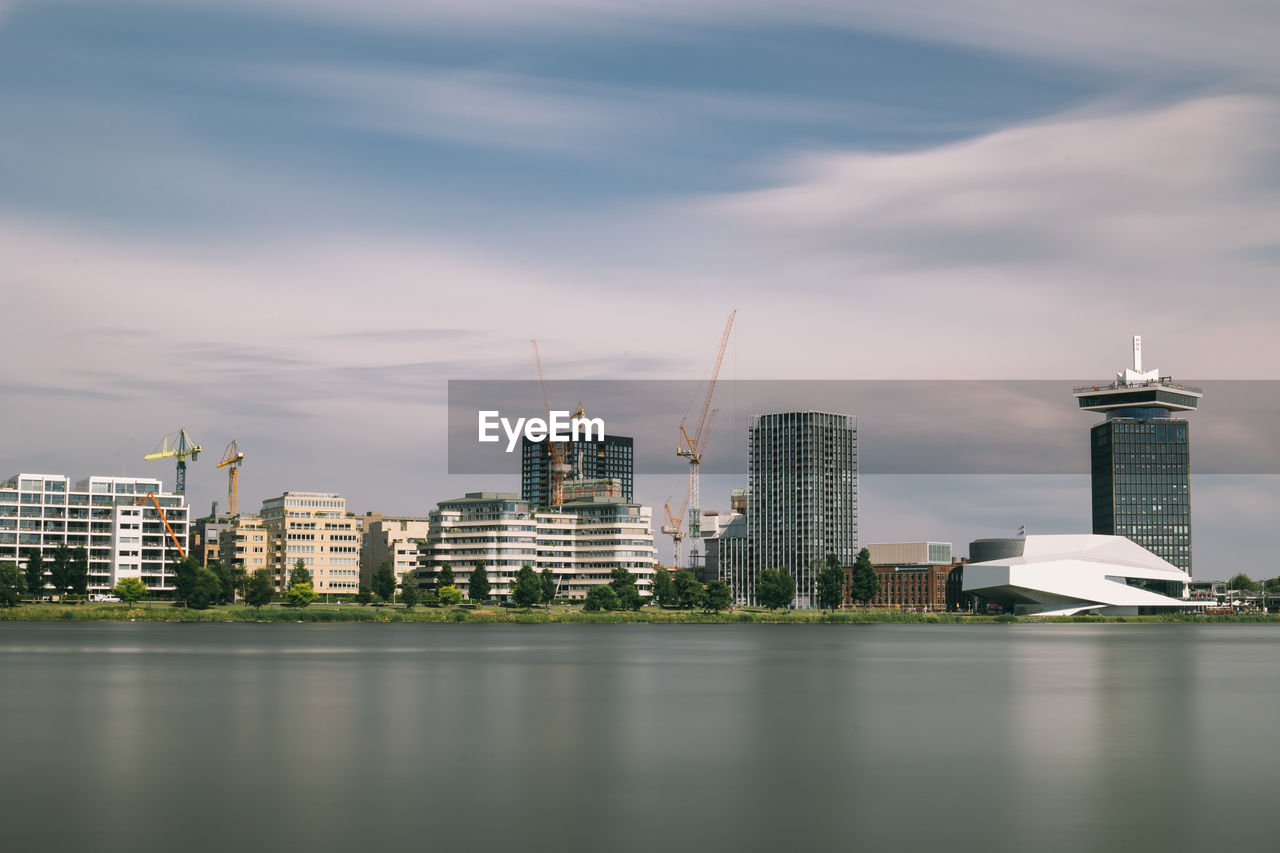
(633, 737)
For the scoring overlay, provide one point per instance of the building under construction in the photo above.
(611, 459)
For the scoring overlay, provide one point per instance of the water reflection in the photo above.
(329, 737)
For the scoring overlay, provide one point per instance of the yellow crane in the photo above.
(558, 469)
(691, 446)
(177, 445)
(231, 461)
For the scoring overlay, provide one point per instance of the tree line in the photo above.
(199, 586)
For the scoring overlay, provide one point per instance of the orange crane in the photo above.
(232, 458)
(558, 468)
(673, 527)
(172, 535)
(691, 447)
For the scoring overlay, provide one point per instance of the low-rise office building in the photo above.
(111, 517)
(914, 576)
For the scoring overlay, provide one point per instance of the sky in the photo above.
(293, 223)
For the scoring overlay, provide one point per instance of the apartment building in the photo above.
(390, 539)
(313, 527)
(111, 517)
(581, 541)
(246, 542)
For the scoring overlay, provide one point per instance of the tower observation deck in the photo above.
(1134, 391)
(1140, 455)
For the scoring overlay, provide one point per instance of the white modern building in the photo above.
(1063, 575)
(581, 541)
(111, 517)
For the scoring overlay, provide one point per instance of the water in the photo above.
(633, 737)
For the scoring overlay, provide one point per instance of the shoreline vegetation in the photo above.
(165, 611)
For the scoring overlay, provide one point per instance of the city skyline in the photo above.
(291, 224)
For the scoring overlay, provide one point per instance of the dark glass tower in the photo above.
(587, 460)
(1139, 460)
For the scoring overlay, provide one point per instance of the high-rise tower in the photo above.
(803, 504)
(1140, 455)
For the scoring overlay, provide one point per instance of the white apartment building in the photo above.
(581, 541)
(111, 517)
(313, 527)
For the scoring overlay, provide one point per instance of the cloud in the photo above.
(487, 109)
(1165, 186)
(1233, 36)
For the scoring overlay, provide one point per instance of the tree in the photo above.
(195, 584)
(1243, 582)
(364, 596)
(775, 588)
(830, 582)
(12, 584)
(226, 579)
(548, 580)
(78, 571)
(410, 595)
(261, 589)
(444, 576)
(384, 582)
(478, 585)
(688, 590)
(864, 585)
(35, 572)
(300, 595)
(601, 597)
(450, 596)
(664, 592)
(1272, 585)
(300, 574)
(624, 586)
(60, 570)
(130, 590)
(527, 590)
(239, 582)
(717, 597)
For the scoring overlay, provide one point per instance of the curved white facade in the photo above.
(1062, 575)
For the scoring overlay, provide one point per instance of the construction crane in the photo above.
(231, 461)
(691, 447)
(150, 496)
(673, 528)
(177, 445)
(558, 468)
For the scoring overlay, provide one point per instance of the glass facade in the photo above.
(803, 499)
(588, 460)
(1142, 484)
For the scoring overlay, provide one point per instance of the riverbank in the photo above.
(167, 612)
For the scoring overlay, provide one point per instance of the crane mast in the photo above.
(691, 447)
(673, 528)
(231, 461)
(558, 468)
